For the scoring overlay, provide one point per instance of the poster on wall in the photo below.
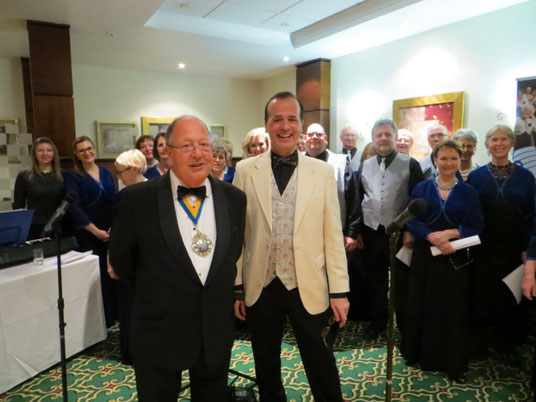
(417, 114)
(525, 127)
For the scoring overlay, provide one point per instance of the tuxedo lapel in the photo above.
(261, 179)
(306, 186)
(222, 228)
(170, 228)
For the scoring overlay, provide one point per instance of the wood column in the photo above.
(313, 89)
(51, 84)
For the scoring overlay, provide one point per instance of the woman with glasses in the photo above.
(41, 187)
(437, 326)
(160, 154)
(92, 212)
(507, 194)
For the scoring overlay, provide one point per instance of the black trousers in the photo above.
(266, 320)
(376, 261)
(155, 384)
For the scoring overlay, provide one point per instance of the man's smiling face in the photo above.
(284, 125)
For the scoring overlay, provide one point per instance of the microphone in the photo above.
(414, 208)
(58, 214)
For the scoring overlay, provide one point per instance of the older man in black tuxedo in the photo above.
(178, 237)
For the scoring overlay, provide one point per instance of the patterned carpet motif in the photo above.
(97, 375)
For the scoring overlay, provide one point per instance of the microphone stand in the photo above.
(61, 318)
(393, 242)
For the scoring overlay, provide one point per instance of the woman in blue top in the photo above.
(160, 154)
(439, 293)
(507, 195)
(92, 213)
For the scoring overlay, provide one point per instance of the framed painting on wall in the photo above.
(114, 137)
(416, 114)
(217, 130)
(525, 127)
(154, 125)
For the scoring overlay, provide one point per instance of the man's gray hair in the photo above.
(466, 133)
(348, 126)
(385, 122)
(429, 129)
(171, 127)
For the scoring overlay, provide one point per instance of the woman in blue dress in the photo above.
(507, 195)
(439, 292)
(92, 213)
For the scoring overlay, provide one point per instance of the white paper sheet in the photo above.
(67, 257)
(404, 255)
(459, 244)
(514, 281)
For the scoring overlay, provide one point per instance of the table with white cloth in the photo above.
(29, 326)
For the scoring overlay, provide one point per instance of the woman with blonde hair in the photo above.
(131, 166)
(256, 142)
(41, 187)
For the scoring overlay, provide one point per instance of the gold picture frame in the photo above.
(415, 114)
(154, 125)
(115, 137)
(217, 130)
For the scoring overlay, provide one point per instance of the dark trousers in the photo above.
(155, 384)
(376, 261)
(266, 320)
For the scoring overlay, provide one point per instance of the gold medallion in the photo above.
(201, 244)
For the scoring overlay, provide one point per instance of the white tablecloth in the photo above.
(29, 331)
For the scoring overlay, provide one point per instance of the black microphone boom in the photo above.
(414, 208)
(55, 219)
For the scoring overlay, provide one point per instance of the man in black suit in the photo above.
(178, 237)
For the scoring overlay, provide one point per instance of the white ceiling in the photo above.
(237, 38)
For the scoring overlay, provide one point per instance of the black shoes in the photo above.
(373, 330)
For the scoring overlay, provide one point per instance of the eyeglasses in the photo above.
(189, 148)
(83, 151)
(317, 135)
(327, 329)
(122, 171)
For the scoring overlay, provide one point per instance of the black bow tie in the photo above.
(291, 160)
(199, 192)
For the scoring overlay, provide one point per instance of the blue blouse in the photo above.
(461, 210)
(152, 172)
(229, 174)
(518, 192)
(96, 200)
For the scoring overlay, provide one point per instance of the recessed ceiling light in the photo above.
(286, 58)
(109, 33)
(285, 24)
(181, 66)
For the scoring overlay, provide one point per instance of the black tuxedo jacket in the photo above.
(175, 317)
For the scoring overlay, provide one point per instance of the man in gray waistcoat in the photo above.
(349, 139)
(385, 184)
(435, 134)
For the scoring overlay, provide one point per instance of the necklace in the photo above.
(443, 187)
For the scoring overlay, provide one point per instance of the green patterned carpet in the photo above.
(97, 375)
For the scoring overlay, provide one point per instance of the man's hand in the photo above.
(359, 241)
(340, 307)
(111, 272)
(349, 243)
(529, 281)
(240, 309)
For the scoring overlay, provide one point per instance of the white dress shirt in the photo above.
(206, 225)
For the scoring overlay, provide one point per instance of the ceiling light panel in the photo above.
(319, 9)
(275, 6)
(196, 8)
(229, 12)
(286, 24)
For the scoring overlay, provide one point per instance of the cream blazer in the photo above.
(318, 241)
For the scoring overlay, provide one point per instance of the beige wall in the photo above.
(482, 55)
(11, 91)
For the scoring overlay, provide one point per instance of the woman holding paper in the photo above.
(507, 195)
(439, 293)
